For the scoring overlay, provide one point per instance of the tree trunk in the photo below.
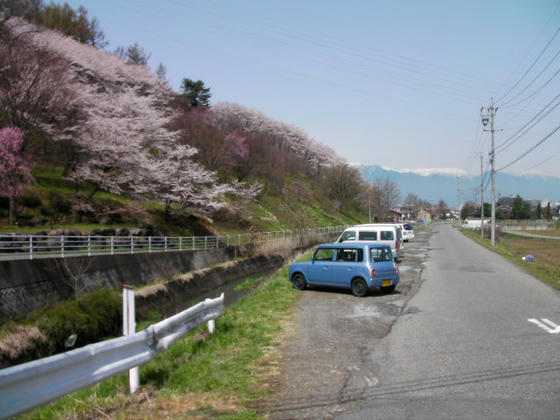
(95, 189)
(12, 216)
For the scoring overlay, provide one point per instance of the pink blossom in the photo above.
(13, 164)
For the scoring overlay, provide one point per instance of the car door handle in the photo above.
(348, 268)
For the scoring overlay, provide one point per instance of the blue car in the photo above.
(357, 266)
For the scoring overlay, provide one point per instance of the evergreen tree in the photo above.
(548, 212)
(539, 211)
(193, 94)
(520, 208)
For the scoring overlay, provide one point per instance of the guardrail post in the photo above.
(149, 244)
(112, 245)
(211, 323)
(165, 241)
(89, 245)
(206, 242)
(129, 328)
(62, 246)
(180, 243)
(31, 247)
(132, 244)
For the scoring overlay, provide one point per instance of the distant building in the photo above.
(424, 214)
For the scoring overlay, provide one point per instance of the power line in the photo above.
(531, 66)
(531, 149)
(536, 91)
(511, 139)
(532, 81)
(544, 161)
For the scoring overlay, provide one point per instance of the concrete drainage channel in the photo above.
(328, 362)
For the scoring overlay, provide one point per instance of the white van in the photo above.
(390, 234)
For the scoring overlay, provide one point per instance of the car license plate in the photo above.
(386, 283)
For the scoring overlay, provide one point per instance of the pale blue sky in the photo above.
(394, 83)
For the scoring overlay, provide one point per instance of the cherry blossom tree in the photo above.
(14, 167)
(35, 92)
(288, 138)
(124, 138)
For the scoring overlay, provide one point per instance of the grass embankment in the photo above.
(203, 376)
(51, 202)
(546, 252)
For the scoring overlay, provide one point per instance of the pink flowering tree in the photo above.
(15, 168)
(124, 139)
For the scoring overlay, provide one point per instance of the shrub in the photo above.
(58, 203)
(31, 201)
(92, 318)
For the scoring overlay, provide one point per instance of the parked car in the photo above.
(388, 234)
(357, 266)
(408, 231)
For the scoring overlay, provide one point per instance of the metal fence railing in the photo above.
(17, 246)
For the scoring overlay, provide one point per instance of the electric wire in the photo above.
(515, 137)
(540, 163)
(531, 149)
(531, 82)
(531, 66)
(536, 91)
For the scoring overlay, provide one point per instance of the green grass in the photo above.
(228, 365)
(547, 252)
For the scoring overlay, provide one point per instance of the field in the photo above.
(546, 252)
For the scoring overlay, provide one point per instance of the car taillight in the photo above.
(396, 245)
(373, 272)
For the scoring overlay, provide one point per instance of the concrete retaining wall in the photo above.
(26, 285)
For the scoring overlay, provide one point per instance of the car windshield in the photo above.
(348, 236)
(381, 254)
(323, 254)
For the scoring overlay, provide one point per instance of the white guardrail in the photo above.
(29, 385)
(14, 246)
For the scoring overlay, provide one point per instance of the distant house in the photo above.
(424, 214)
(505, 204)
(396, 216)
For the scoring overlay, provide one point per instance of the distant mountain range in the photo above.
(434, 185)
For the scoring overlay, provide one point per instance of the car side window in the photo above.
(387, 235)
(368, 236)
(323, 254)
(348, 236)
(350, 255)
(381, 254)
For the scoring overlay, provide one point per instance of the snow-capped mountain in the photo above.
(441, 184)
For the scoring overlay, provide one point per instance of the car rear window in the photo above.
(350, 255)
(368, 236)
(381, 254)
(387, 235)
(324, 254)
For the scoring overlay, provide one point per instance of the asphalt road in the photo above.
(454, 342)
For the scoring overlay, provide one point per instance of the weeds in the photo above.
(199, 375)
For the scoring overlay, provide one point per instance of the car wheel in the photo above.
(388, 289)
(299, 281)
(359, 287)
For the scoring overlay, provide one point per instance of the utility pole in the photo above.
(481, 197)
(458, 199)
(489, 117)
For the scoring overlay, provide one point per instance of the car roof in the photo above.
(353, 244)
(372, 227)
